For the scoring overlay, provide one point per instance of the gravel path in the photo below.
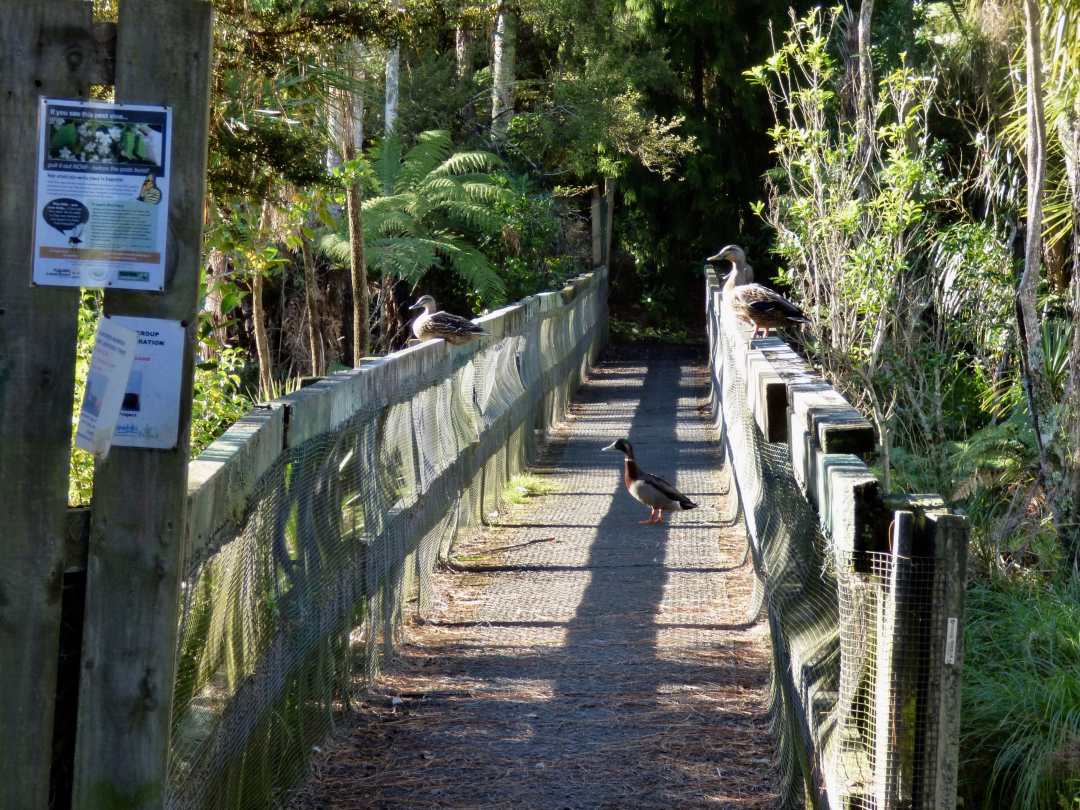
(574, 658)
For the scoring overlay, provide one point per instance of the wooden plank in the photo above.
(824, 413)
(139, 513)
(44, 47)
(223, 477)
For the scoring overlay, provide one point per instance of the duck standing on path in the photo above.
(651, 490)
(764, 308)
(433, 324)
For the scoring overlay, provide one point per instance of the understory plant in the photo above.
(1021, 734)
(905, 291)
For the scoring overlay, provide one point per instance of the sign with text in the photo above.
(106, 381)
(150, 412)
(102, 197)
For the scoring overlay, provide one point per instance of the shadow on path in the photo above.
(579, 659)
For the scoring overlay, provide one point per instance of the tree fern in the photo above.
(432, 208)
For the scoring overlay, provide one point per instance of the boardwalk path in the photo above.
(577, 659)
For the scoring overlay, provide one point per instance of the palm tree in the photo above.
(429, 208)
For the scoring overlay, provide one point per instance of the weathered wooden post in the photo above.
(47, 47)
(945, 662)
(138, 522)
(895, 692)
(597, 220)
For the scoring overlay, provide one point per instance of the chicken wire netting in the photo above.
(851, 632)
(291, 615)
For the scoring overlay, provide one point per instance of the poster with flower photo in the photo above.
(102, 195)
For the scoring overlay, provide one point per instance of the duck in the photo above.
(432, 323)
(764, 308)
(745, 271)
(652, 490)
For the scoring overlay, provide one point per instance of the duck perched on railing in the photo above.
(432, 323)
(651, 490)
(753, 303)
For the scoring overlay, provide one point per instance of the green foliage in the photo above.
(218, 396)
(535, 247)
(431, 207)
(1021, 721)
(81, 470)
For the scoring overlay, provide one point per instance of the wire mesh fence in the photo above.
(863, 593)
(317, 520)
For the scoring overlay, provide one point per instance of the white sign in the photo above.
(150, 413)
(110, 367)
(950, 641)
(102, 194)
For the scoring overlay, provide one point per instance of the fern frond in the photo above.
(403, 258)
(432, 149)
(386, 161)
(473, 267)
(459, 163)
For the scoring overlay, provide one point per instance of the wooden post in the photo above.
(893, 729)
(597, 219)
(46, 48)
(139, 511)
(609, 218)
(946, 660)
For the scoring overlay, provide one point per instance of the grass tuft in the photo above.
(1020, 739)
(522, 487)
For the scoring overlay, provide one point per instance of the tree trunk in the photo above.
(502, 90)
(865, 112)
(609, 217)
(216, 270)
(1069, 135)
(258, 311)
(1026, 312)
(335, 126)
(1036, 172)
(354, 211)
(393, 75)
(311, 308)
(463, 51)
(393, 67)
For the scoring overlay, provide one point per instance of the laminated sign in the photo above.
(102, 195)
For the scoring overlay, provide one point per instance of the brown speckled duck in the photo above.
(434, 324)
(766, 309)
(651, 490)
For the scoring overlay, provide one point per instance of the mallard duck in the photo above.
(433, 324)
(766, 309)
(651, 490)
(745, 271)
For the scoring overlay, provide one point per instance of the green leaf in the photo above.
(65, 136)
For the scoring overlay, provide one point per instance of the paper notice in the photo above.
(110, 367)
(150, 411)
